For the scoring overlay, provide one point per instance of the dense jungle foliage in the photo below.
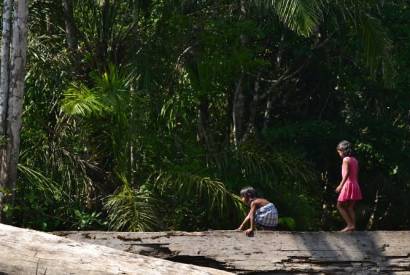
(152, 114)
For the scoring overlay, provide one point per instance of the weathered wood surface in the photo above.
(378, 252)
(31, 252)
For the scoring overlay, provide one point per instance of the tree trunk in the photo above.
(70, 28)
(372, 217)
(275, 252)
(238, 112)
(4, 92)
(267, 116)
(238, 105)
(32, 252)
(15, 103)
(252, 128)
(203, 125)
(5, 63)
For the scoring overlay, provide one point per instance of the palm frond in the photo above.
(376, 44)
(268, 169)
(41, 182)
(188, 185)
(81, 101)
(301, 16)
(132, 210)
(114, 80)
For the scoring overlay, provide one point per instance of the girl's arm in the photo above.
(345, 167)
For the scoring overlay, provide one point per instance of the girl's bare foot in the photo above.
(351, 228)
(348, 229)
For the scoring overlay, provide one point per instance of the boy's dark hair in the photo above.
(346, 148)
(248, 191)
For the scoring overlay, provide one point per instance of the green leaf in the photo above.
(301, 16)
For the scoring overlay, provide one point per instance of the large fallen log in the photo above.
(288, 252)
(31, 252)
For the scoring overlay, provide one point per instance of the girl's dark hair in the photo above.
(345, 147)
(248, 191)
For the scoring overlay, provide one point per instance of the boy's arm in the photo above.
(252, 219)
(244, 222)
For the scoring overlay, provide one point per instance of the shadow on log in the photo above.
(26, 251)
(378, 252)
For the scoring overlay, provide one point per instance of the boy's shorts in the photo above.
(265, 228)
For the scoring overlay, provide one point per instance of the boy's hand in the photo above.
(249, 232)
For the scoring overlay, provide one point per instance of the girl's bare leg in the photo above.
(352, 214)
(345, 215)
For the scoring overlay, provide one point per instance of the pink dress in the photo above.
(351, 189)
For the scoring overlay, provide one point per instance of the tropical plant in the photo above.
(151, 115)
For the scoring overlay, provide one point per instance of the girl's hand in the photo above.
(339, 188)
(249, 232)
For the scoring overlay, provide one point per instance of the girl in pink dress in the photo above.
(348, 189)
